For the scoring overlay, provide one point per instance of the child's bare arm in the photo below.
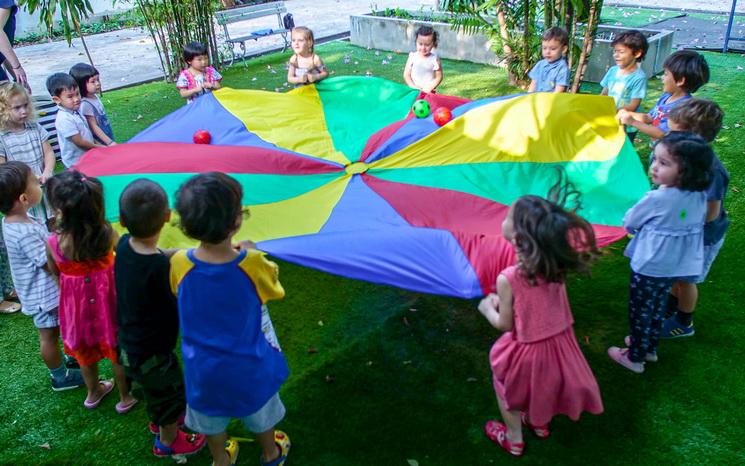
(559, 88)
(51, 266)
(632, 105)
(292, 67)
(604, 91)
(49, 161)
(533, 85)
(407, 74)
(82, 143)
(713, 209)
(498, 308)
(97, 131)
(186, 93)
(435, 82)
(321, 71)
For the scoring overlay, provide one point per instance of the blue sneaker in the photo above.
(72, 379)
(671, 328)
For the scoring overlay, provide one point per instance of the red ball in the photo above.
(202, 136)
(442, 115)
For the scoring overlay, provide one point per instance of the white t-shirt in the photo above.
(68, 124)
(423, 68)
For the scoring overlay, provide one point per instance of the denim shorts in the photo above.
(46, 319)
(710, 253)
(261, 421)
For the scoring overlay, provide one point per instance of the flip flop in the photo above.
(108, 385)
(124, 408)
(9, 307)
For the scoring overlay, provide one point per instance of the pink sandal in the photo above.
(123, 408)
(108, 385)
(541, 432)
(497, 433)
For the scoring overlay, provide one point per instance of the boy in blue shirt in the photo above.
(626, 82)
(233, 366)
(685, 72)
(704, 118)
(552, 73)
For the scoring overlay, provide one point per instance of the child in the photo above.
(423, 69)
(199, 78)
(233, 366)
(81, 256)
(538, 369)
(7, 305)
(25, 238)
(685, 72)
(305, 66)
(704, 118)
(667, 224)
(75, 137)
(626, 82)
(552, 73)
(148, 318)
(89, 83)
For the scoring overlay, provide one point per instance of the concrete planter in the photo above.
(396, 34)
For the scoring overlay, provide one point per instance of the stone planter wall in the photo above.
(397, 35)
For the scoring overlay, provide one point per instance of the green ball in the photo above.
(421, 108)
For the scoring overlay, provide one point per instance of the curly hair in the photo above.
(695, 157)
(550, 240)
(699, 116)
(79, 201)
(209, 205)
(425, 31)
(634, 40)
(8, 91)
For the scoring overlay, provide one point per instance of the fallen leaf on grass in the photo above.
(407, 362)
(406, 322)
(412, 309)
(413, 462)
(369, 363)
(312, 350)
(45, 446)
(330, 378)
(735, 189)
(587, 340)
(320, 323)
(472, 379)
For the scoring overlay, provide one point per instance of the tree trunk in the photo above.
(504, 33)
(76, 25)
(595, 7)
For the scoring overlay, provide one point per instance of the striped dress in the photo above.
(27, 146)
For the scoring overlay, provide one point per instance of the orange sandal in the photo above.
(497, 433)
(541, 432)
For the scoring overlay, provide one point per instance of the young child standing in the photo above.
(626, 82)
(233, 365)
(81, 256)
(704, 118)
(7, 305)
(423, 69)
(148, 317)
(25, 238)
(24, 140)
(538, 369)
(75, 136)
(685, 72)
(89, 83)
(552, 73)
(667, 224)
(199, 78)
(305, 66)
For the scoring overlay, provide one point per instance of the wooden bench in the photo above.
(245, 13)
(46, 111)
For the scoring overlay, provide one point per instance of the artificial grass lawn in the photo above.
(381, 376)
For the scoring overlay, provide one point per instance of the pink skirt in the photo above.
(544, 378)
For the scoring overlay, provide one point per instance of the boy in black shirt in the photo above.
(148, 317)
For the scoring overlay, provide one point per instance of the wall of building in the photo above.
(27, 24)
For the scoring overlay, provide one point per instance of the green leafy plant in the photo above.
(72, 12)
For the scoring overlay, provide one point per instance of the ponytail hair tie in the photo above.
(83, 179)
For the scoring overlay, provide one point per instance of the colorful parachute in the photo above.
(341, 178)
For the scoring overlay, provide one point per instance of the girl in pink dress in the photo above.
(538, 369)
(81, 255)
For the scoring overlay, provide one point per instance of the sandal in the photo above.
(9, 307)
(497, 433)
(231, 448)
(539, 431)
(283, 442)
(184, 444)
(108, 385)
(123, 408)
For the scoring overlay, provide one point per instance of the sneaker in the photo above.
(231, 448)
(649, 357)
(497, 433)
(671, 328)
(621, 356)
(184, 444)
(71, 363)
(72, 379)
(155, 429)
(283, 442)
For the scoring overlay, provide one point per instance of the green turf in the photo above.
(381, 376)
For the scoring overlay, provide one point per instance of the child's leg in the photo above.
(647, 298)
(90, 377)
(687, 298)
(512, 421)
(121, 380)
(48, 347)
(216, 444)
(269, 448)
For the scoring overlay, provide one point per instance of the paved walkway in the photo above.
(129, 56)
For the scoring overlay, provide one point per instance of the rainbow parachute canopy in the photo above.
(339, 176)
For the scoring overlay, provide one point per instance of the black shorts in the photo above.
(162, 384)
